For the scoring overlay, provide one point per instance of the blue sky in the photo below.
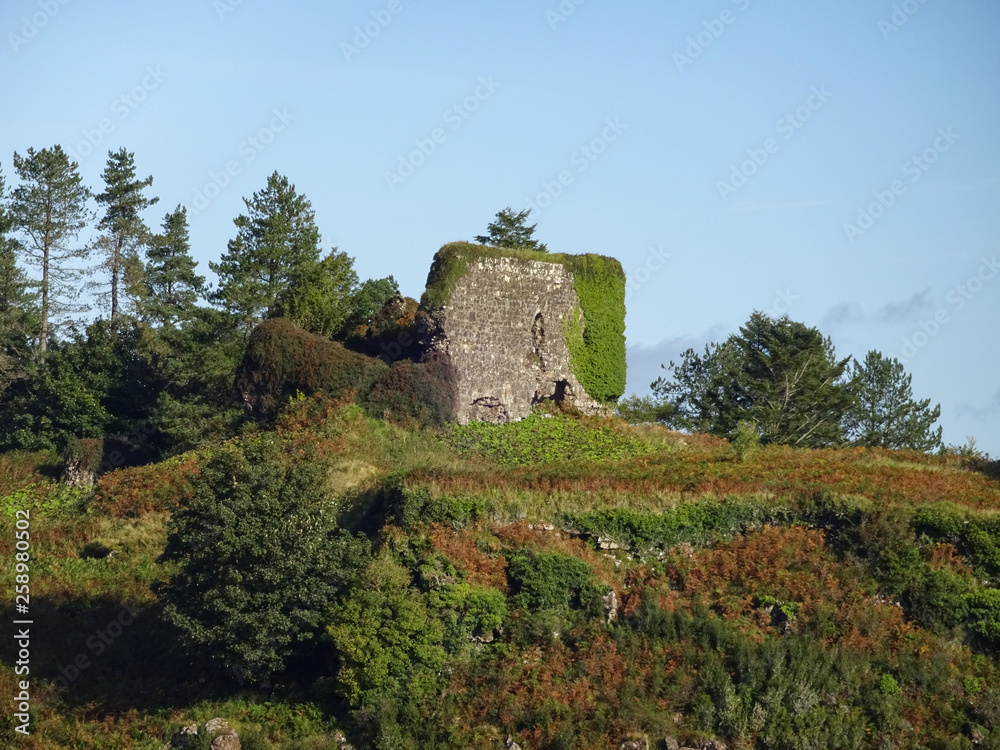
(838, 161)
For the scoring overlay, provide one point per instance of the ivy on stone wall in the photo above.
(595, 332)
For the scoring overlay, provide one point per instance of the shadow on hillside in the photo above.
(112, 656)
(986, 467)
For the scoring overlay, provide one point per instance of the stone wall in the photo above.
(503, 330)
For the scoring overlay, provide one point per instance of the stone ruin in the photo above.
(502, 328)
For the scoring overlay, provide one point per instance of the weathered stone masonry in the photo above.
(503, 330)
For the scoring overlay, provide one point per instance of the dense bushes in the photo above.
(260, 557)
(423, 392)
(693, 523)
(282, 359)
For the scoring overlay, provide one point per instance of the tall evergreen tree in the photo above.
(885, 414)
(276, 241)
(124, 230)
(18, 314)
(50, 208)
(780, 375)
(172, 286)
(510, 230)
(789, 383)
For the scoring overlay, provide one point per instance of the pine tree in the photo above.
(885, 414)
(779, 375)
(171, 284)
(789, 383)
(275, 242)
(18, 313)
(50, 208)
(509, 230)
(124, 229)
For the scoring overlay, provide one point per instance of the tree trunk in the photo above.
(43, 334)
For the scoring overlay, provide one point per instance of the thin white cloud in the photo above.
(779, 205)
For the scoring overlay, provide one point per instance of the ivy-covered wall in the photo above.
(566, 312)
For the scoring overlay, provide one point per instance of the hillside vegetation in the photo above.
(564, 582)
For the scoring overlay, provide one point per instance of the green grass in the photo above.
(546, 439)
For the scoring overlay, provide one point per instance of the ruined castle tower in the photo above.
(521, 327)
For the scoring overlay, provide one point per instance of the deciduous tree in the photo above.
(260, 558)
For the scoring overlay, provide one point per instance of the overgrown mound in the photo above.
(424, 392)
(281, 359)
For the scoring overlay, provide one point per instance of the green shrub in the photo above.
(467, 612)
(422, 392)
(416, 506)
(281, 360)
(260, 557)
(984, 613)
(385, 636)
(745, 440)
(696, 523)
(550, 581)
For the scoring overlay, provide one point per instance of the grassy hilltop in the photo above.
(566, 582)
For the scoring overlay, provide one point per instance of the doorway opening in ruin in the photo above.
(538, 340)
